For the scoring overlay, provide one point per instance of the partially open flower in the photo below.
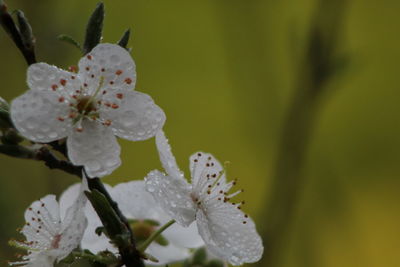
(88, 108)
(145, 217)
(227, 232)
(52, 230)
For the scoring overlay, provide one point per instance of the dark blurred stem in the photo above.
(315, 71)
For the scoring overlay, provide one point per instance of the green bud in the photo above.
(162, 241)
(94, 29)
(123, 42)
(26, 31)
(199, 256)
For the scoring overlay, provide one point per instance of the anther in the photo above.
(114, 106)
(61, 99)
(60, 118)
(63, 82)
(128, 80)
(73, 69)
(79, 129)
(107, 123)
(54, 87)
(120, 96)
(118, 72)
(103, 70)
(89, 57)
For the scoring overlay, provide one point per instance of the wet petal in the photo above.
(111, 62)
(167, 159)
(44, 77)
(96, 148)
(173, 195)
(205, 170)
(74, 223)
(42, 221)
(229, 234)
(40, 116)
(133, 116)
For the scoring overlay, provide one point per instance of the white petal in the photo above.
(227, 236)
(173, 195)
(68, 198)
(135, 202)
(35, 115)
(42, 260)
(96, 148)
(167, 159)
(166, 254)
(187, 237)
(110, 61)
(43, 77)
(204, 166)
(136, 117)
(42, 221)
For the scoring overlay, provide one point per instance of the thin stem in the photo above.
(314, 73)
(154, 236)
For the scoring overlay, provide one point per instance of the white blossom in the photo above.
(139, 206)
(88, 108)
(228, 233)
(53, 229)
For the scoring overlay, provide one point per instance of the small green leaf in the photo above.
(69, 40)
(123, 42)
(94, 28)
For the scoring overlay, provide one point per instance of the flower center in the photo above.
(85, 105)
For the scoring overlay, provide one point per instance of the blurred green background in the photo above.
(224, 72)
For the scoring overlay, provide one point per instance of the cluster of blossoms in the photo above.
(89, 108)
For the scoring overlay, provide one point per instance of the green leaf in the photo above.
(94, 29)
(69, 40)
(115, 228)
(123, 42)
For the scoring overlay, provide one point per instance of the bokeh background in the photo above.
(224, 71)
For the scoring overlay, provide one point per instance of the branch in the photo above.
(24, 39)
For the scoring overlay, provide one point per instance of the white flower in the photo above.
(88, 108)
(228, 233)
(141, 209)
(53, 229)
